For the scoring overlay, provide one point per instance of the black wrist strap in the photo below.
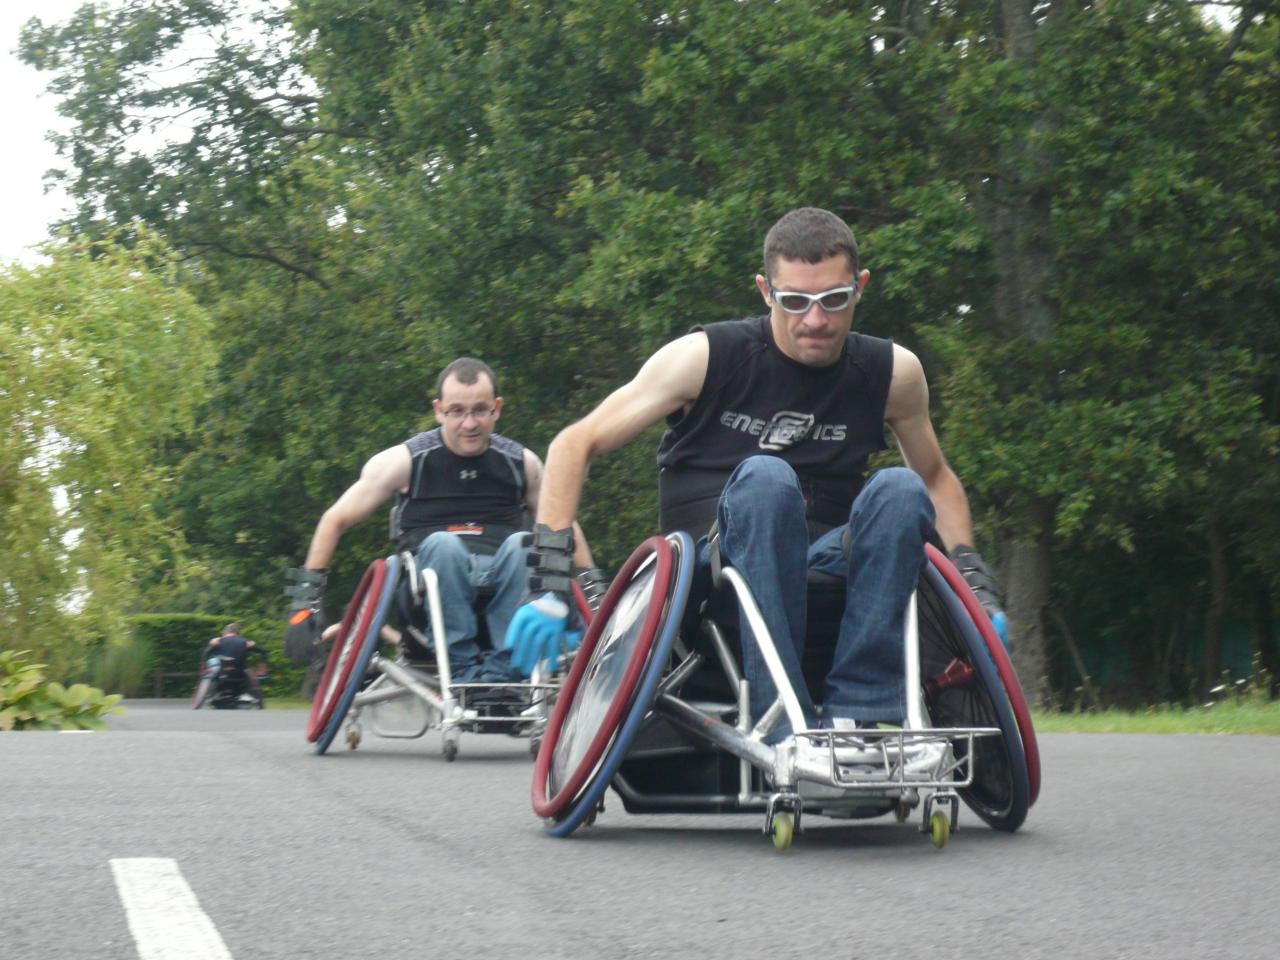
(551, 558)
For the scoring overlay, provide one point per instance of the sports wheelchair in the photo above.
(656, 706)
(406, 695)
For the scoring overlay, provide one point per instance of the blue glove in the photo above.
(1001, 623)
(538, 632)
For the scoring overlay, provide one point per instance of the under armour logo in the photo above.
(469, 474)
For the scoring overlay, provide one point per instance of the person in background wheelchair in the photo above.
(770, 424)
(464, 496)
(224, 664)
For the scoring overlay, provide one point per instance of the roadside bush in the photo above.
(29, 702)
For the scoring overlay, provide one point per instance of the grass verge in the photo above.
(1229, 717)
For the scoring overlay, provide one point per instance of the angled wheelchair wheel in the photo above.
(1000, 656)
(607, 668)
(963, 689)
(584, 808)
(352, 649)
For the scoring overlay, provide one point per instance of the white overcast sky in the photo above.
(27, 114)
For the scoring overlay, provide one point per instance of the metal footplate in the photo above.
(874, 759)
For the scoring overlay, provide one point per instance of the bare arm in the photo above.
(907, 413)
(533, 483)
(670, 379)
(384, 474)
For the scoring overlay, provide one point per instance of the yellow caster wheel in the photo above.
(353, 738)
(939, 829)
(783, 831)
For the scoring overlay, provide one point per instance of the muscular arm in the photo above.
(533, 482)
(383, 475)
(669, 380)
(907, 413)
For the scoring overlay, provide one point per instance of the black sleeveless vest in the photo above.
(824, 421)
(482, 499)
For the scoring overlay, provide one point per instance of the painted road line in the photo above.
(164, 916)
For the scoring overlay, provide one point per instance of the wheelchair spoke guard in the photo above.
(584, 808)
(353, 647)
(962, 688)
(1004, 666)
(601, 685)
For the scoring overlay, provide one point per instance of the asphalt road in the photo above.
(1140, 846)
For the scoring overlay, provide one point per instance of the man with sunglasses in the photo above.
(464, 497)
(770, 424)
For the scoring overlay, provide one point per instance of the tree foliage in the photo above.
(1068, 209)
(104, 357)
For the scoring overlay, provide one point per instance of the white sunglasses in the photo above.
(791, 301)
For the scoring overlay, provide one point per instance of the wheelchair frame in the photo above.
(845, 773)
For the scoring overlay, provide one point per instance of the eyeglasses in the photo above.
(837, 298)
(480, 412)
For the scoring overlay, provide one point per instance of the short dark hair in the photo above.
(809, 234)
(467, 370)
(231, 630)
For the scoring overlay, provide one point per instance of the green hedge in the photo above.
(176, 641)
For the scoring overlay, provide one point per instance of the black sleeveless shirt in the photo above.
(482, 498)
(824, 421)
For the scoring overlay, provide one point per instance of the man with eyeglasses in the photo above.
(770, 424)
(464, 496)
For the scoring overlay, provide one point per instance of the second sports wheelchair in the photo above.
(656, 707)
(413, 692)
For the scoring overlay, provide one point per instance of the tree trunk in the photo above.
(1265, 654)
(1217, 611)
(1027, 563)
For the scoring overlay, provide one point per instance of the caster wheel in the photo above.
(450, 751)
(353, 738)
(783, 831)
(534, 746)
(939, 829)
(590, 819)
(901, 812)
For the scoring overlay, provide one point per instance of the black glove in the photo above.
(982, 582)
(594, 583)
(306, 614)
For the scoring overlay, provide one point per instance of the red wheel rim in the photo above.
(555, 804)
(1004, 666)
(342, 657)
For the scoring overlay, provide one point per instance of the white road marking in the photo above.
(164, 916)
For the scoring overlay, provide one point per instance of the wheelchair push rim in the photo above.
(678, 597)
(1004, 666)
(551, 799)
(963, 689)
(351, 650)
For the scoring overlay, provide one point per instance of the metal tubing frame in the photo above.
(786, 693)
(888, 748)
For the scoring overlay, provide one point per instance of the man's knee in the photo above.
(509, 562)
(897, 490)
(762, 474)
(899, 484)
(442, 548)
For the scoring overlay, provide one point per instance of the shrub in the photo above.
(29, 702)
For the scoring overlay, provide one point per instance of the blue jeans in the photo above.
(763, 534)
(462, 575)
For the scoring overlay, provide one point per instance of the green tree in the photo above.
(103, 357)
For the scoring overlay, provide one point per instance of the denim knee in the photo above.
(762, 474)
(898, 488)
(443, 548)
